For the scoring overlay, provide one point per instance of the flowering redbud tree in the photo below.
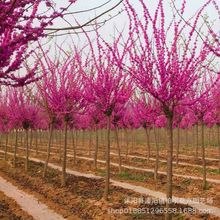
(201, 109)
(106, 87)
(164, 66)
(117, 116)
(96, 117)
(216, 114)
(26, 117)
(212, 115)
(21, 23)
(145, 113)
(5, 123)
(61, 91)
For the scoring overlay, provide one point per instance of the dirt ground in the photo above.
(182, 187)
(10, 210)
(82, 197)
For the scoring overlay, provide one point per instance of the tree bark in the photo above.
(60, 146)
(77, 138)
(27, 151)
(31, 138)
(127, 143)
(178, 146)
(63, 177)
(157, 155)
(187, 138)
(168, 215)
(36, 141)
(21, 135)
(48, 150)
(16, 146)
(118, 149)
(40, 137)
(6, 146)
(83, 138)
(197, 140)
(218, 134)
(209, 136)
(96, 146)
(204, 184)
(74, 148)
(90, 142)
(148, 144)
(107, 177)
(132, 141)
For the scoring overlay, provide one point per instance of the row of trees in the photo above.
(168, 69)
(92, 94)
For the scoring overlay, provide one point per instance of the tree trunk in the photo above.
(218, 134)
(90, 142)
(127, 143)
(40, 137)
(21, 135)
(16, 146)
(107, 177)
(203, 159)
(74, 148)
(27, 151)
(148, 144)
(102, 138)
(77, 137)
(63, 177)
(36, 141)
(132, 141)
(178, 146)
(187, 139)
(169, 167)
(48, 150)
(31, 138)
(193, 136)
(6, 145)
(157, 155)
(60, 146)
(96, 146)
(197, 140)
(83, 138)
(118, 149)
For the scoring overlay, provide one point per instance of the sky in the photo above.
(120, 22)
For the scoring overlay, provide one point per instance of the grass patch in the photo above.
(130, 176)
(208, 186)
(135, 215)
(101, 172)
(187, 182)
(213, 171)
(180, 216)
(140, 160)
(82, 204)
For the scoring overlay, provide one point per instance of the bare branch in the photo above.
(86, 23)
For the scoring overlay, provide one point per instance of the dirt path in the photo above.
(10, 210)
(149, 170)
(201, 207)
(138, 168)
(28, 203)
(142, 157)
(164, 161)
(162, 153)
